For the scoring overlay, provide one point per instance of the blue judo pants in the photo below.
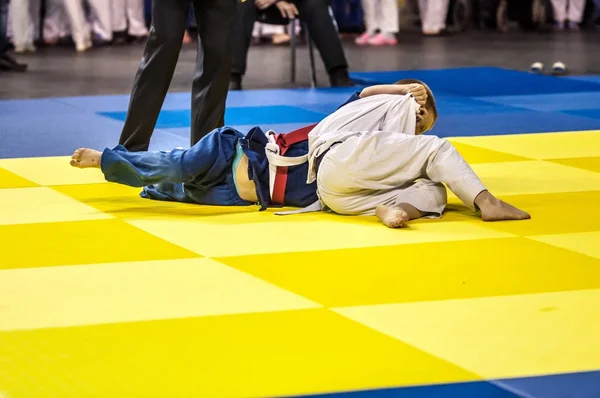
(202, 174)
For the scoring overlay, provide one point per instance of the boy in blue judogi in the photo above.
(375, 161)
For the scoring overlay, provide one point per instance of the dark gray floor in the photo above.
(58, 72)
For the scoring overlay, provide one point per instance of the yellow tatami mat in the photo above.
(106, 294)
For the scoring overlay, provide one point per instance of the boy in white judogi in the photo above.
(366, 158)
(369, 157)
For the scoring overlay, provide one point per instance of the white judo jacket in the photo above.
(383, 112)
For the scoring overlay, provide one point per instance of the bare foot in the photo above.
(493, 209)
(392, 217)
(84, 158)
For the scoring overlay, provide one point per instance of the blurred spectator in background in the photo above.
(568, 13)
(276, 33)
(118, 21)
(7, 63)
(64, 17)
(101, 20)
(56, 27)
(25, 22)
(433, 16)
(320, 25)
(381, 22)
(128, 16)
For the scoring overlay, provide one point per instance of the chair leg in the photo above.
(293, 47)
(311, 55)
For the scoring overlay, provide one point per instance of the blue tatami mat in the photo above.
(236, 116)
(567, 385)
(471, 101)
(480, 82)
(588, 78)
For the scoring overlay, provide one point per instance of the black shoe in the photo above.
(120, 38)
(235, 83)
(10, 64)
(340, 78)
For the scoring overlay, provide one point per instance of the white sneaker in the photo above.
(83, 45)
(24, 48)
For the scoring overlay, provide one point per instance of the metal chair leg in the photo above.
(311, 55)
(293, 46)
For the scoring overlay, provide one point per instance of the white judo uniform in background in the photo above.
(374, 157)
(433, 15)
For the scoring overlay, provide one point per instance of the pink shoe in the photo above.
(363, 39)
(382, 40)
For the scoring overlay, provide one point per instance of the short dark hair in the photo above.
(430, 104)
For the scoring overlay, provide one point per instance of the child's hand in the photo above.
(418, 92)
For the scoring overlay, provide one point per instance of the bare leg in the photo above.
(84, 158)
(493, 209)
(397, 216)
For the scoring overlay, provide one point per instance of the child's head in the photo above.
(430, 115)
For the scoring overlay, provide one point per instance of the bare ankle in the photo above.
(483, 198)
(412, 211)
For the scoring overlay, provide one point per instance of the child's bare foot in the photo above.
(392, 217)
(493, 209)
(84, 158)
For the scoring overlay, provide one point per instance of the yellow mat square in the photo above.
(294, 235)
(51, 171)
(11, 180)
(41, 204)
(269, 354)
(423, 272)
(518, 178)
(83, 242)
(555, 213)
(592, 164)
(587, 243)
(541, 146)
(127, 292)
(499, 337)
(474, 155)
(125, 202)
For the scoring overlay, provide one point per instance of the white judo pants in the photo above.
(568, 10)
(382, 15)
(129, 14)
(24, 21)
(391, 168)
(433, 15)
(76, 16)
(56, 24)
(110, 16)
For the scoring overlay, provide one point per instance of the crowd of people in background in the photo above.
(84, 24)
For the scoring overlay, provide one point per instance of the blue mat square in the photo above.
(291, 97)
(571, 385)
(590, 113)
(458, 390)
(549, 102)
(236, 116)
(480, 82)
(516, 123)
(585, 78)
(455, 105)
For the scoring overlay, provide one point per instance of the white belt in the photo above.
(276, 160)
